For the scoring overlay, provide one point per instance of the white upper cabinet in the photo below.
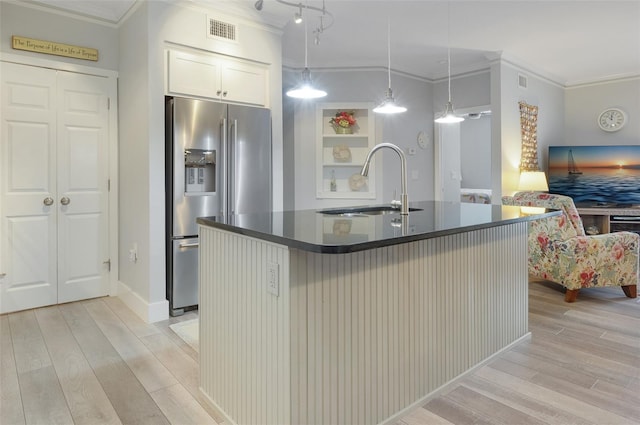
(243, 82)
(217, 77)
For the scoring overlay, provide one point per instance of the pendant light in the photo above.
(449, 117)
(388, 105)
(305, 89)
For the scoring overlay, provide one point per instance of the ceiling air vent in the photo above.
(220, 29)
(523, 81)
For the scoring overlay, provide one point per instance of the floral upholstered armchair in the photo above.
(560, 251)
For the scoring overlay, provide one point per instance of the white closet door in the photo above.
(28, 261)
(53, 187)
(83, 134)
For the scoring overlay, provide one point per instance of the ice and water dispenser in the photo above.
(200, 171)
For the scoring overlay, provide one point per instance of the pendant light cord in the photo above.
(389, 49)
(305, 36)
(449, 69)
(449, 46)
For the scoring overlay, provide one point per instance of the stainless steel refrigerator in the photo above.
(218, 162)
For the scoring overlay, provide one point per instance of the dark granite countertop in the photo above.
(323, 232)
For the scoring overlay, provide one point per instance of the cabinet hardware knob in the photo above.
(48, 201)
(224, 93)
(218, 92)
(65, 201)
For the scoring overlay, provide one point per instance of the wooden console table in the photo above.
(609, 220)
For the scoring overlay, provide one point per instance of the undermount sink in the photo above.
(364, 211)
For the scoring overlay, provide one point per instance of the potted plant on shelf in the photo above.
(343, 122)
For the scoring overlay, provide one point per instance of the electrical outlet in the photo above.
(133, 253)
(273, 278)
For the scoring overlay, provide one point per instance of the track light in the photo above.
(298, 17)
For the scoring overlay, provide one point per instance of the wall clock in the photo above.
(612, 119)
(422, 139)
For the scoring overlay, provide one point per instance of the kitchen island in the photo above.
(349, 317)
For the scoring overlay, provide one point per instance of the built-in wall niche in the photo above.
(340, 153)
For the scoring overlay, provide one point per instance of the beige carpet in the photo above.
(188, 331)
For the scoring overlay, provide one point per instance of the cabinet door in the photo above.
(244, 82)
(193, 74)
(28, 204)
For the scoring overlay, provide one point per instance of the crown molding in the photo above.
(292, 68)
(63, 12)
(520, 65)
(604, 80)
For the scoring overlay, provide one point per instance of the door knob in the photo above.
(48, 201)
(65, 201)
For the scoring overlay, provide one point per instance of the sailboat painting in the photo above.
(606, 176)
(571, 164)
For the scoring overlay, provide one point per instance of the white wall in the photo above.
(468, 92)
(548, 96)
(448, 162)
(401, 129)
(134, 154)
(33, 22)
(585, 103)
(154, 27)
(475, 152)
(567, 116)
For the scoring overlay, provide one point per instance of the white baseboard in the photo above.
(149, 312)
(209, 400)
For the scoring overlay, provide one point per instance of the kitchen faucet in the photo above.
(404, 197)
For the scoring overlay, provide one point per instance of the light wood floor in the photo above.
(95, 362)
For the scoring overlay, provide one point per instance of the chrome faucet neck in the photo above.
(404, 197)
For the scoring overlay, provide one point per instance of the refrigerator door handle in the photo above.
(188, 245)
(224, 171)
(232, 166)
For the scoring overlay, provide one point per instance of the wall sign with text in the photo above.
(53, 48)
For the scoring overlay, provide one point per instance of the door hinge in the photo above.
(109, 103)
(108, 263)
(108, 185)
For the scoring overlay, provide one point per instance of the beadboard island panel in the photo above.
(355, 337)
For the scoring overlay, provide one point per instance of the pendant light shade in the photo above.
(388, 105)
(449, 117)
(305, 89)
